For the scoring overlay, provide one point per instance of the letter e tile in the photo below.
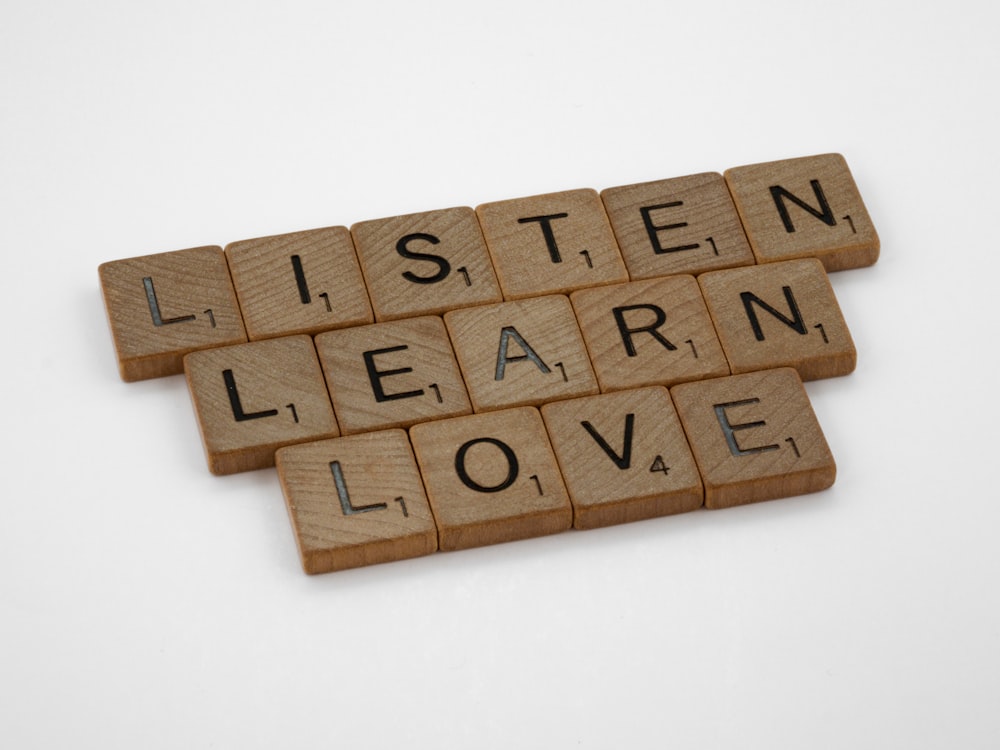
(355, 501)
(491, 478)
(755, 437)
(251, 399)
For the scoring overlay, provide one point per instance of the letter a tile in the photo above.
(808, 207)
(755, 437)
(252, 399)
(624, 457)
(355, 501)
(491, 478)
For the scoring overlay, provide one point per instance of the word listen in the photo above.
(463, 377)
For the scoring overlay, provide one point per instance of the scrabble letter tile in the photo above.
(780, 315)
(624, 457)
(681, 225)
(303, 282)
(653, 332)
(425, 263)
(392, 374)
(251, 399)
(521, 353)
(804, 208)
(491, 478)
(551, 243)
(356, 501)
(160, 307)
(755, 437)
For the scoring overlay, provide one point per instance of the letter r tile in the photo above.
(163, 306)
(551, 244)
(355, 501)
(491, 478)
(755, 437)
(808, 207)
(251, 399)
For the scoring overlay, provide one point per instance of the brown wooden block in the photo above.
(808, 207)
(252, 399)
(521, 353)
(551, 243)
(623, 456)
(302, 282)
(653, 332)
(780, 315)
(356, 501)
(681, 225)
(491, 478)
(163, 306)
(425, 263)
(392, 374)
(755, 437)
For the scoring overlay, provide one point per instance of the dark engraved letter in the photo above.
(444, 267)
(824, 213)
(550, 238)
(625, 459)
(345, 498)
(300, 280)
(234, 401)
(795, 322)
(463, 474)
(375, 375)
(154, 306)
(653, 229)
(626, 332)
(506, 334)
(729, 429)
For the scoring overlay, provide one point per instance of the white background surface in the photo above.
(146, 603)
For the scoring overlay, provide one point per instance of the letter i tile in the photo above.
(491, 478)
(356, 500)
(755, 437)
(252, 399)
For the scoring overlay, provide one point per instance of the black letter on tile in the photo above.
(375, 375)
(824, 213)
(626, 332)
(652, 229)
(795, 322)
(154, 306)
(444, 267)
(237, 405)
(729, 429)
(346, 506)
(463, 474)
(625, 459)
(550, 238)
(506, 334)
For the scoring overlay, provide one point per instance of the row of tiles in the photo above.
(165, 305)
(583, 463)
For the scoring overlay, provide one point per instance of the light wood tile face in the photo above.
(552, 243)
(681, 225)
(349, 510)
(808, 207)
(252, 399)
(302, 282)
(623, 456)
(491, 478)
(653, 332)
(521, 353)
(392, 374)
(425, 263)
(755, 437)
(162, 306)
(780, 315)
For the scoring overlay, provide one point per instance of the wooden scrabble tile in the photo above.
(302, 282)
(356, 501)
(652, 332)
(392, 374)
(808, 207)
(623, 456)
(251, 399)
(755, 437)
(778, 315)
(551, 243)
(521, 353)
(681, 225)
(162, 306)
(491, 478)
(425, 263)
